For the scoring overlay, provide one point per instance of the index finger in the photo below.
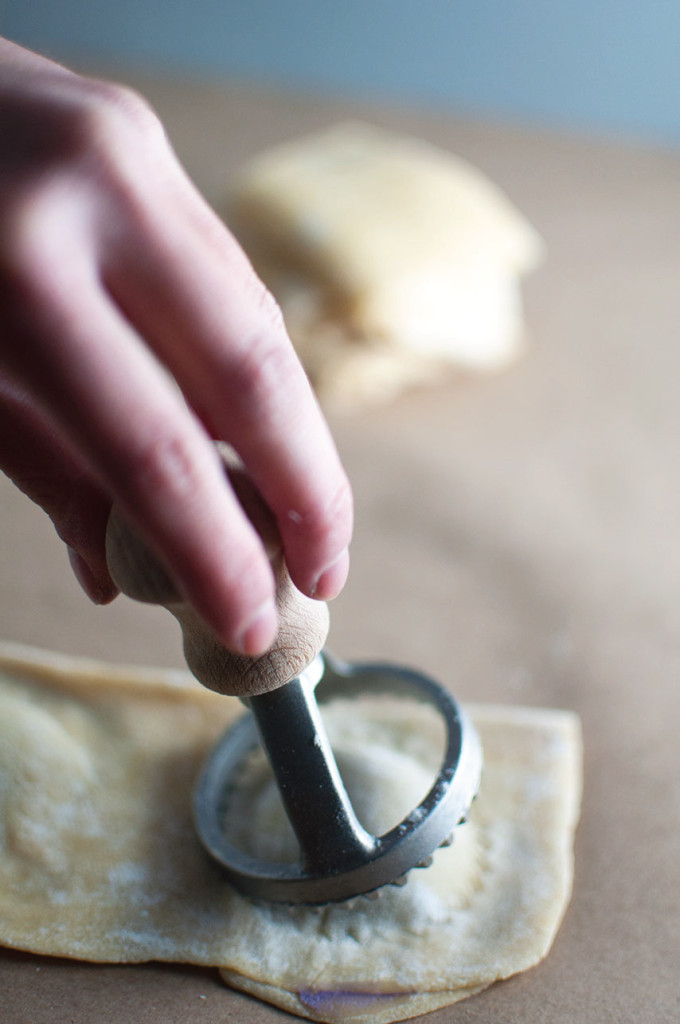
(197, 300)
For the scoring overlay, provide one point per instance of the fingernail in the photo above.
(332, 579)
(97, 592)
(260, 632)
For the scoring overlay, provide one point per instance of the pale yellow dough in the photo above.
(99, 861)
(391, 259)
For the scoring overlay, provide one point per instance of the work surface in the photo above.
(518, 537)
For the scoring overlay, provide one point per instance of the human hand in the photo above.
(133, 332)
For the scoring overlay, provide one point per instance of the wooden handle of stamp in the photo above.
(303, 623)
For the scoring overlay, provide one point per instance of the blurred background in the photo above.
(610, 67)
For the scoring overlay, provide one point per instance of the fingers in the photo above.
(200, 305)
(42, 465)
(126, 417)
(114, 271)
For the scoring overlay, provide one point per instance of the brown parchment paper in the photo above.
(517, 537)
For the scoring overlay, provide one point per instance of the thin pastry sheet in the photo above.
(99, 860)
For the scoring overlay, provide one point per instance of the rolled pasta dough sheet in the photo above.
(99, 859)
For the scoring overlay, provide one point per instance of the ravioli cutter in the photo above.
(339, 859)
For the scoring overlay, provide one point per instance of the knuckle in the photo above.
(52, 131)
(163, 467)
(266, 369)
(22, 258)
(250, 574)
(123, 110)
(36, 280)
(110, 121)
(26, 222)
(325, 522)
(268, 308)
(340, 508)
(333, 517)
(109, 102)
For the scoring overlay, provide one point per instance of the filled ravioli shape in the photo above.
(99, 859)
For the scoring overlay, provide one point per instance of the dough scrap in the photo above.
(392, 259)
(99, 860)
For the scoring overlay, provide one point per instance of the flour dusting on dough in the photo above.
(99, 859)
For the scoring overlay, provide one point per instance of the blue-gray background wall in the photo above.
(606, 66)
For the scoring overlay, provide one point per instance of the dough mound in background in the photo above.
(392, 260)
